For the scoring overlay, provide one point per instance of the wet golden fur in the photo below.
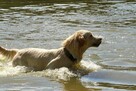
(40, 59)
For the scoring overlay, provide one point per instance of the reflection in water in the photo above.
(75, 84)
(111, 78)
(118, 86)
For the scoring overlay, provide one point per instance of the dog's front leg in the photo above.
(53, 63)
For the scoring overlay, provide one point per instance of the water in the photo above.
(45, 24)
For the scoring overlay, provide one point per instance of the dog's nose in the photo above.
(100, 39)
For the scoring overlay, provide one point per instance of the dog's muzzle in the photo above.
(97, 43)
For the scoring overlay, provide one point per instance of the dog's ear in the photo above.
(81, 40)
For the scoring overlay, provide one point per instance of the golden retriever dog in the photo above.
(68, 55)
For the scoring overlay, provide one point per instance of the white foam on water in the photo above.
(56, 74)
(89, 65)
(6, 69)
(63, 73)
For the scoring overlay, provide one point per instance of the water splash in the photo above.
(6, 69)
(10, 71)
(63, 73)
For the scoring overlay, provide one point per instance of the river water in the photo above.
(46, 23)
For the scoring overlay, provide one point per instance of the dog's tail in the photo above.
(7, 53)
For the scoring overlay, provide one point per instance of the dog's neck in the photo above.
(75, 53)
(69, 55)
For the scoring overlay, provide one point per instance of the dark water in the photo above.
(44, 24)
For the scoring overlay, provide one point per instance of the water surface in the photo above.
(45, 24)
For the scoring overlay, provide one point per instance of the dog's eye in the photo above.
(90, 36)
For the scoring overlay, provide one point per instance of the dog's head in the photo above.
(81, 40)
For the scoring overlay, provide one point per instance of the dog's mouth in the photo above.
(97, 43)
